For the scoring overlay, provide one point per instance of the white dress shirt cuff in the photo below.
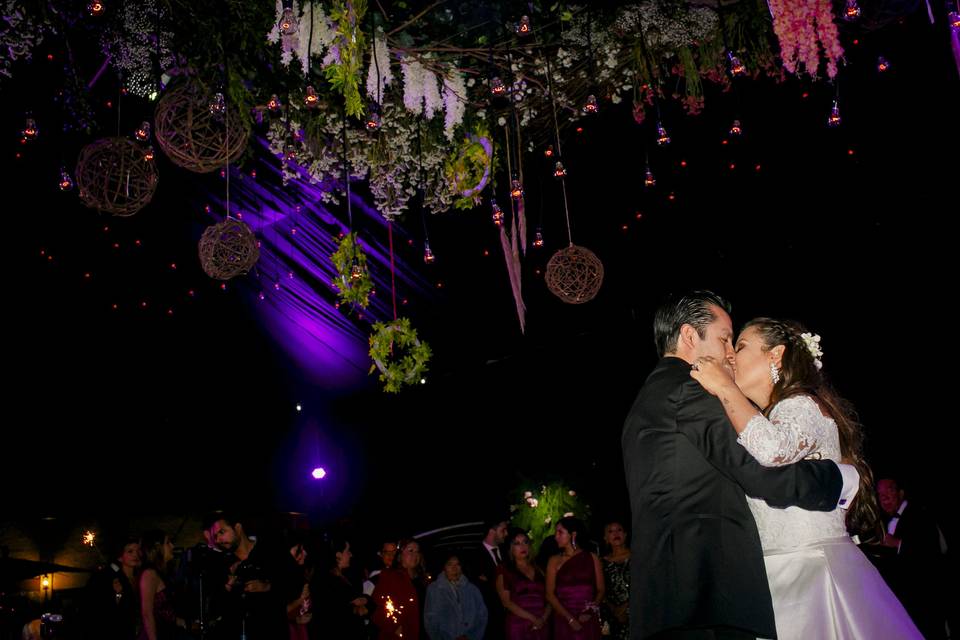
(851, 484)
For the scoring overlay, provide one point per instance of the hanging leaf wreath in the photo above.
(353, 282)
(468, 169)
(398, 354)
(537, 512)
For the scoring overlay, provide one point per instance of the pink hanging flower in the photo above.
(804, 28)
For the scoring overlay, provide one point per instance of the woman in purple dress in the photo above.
(521, 587)
(574, 585)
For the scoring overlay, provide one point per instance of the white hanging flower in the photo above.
(533, 502)
(314, 35)
(454, 101)
(433, 101)
(572, 493)
(547, 520)
(379, 66)
(413, 91)
(527, 494)
(568, 514)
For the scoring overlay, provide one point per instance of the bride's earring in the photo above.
(774, 373)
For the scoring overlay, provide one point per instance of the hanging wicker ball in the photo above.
(114, 175)
(574, 274)
(194, 138)
(228, 249)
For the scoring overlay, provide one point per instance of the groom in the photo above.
(697, 566)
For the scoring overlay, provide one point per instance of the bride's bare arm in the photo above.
(715, 378)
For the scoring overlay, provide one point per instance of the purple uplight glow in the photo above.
(302, 316)
(319, 473)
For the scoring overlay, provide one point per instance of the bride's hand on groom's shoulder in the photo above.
(712, 374)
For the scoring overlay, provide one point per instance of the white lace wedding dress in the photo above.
(823, 587)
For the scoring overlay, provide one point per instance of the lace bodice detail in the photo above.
(795, 430)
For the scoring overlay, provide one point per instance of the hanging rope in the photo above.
(346, 171)
(393, 272)
(422, 181)
(556, 135)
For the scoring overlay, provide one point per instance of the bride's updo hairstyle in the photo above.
(801, 374)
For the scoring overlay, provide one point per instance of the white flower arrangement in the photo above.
(812, 342)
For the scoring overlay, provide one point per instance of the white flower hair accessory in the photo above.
(812, 342)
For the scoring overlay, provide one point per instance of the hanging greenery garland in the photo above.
(350, 44)
(353, 278)
(399, 355)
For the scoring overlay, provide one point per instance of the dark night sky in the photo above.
(139, 412)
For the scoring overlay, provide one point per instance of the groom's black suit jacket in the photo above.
(696, 559)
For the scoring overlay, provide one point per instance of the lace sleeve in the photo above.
(794, 431)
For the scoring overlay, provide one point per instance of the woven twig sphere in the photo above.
(574, 274)
(191, 136)
(113, 175)
(228, 249)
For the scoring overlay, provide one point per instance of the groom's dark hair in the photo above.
(691, 308)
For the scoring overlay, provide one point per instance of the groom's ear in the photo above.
(687, 334)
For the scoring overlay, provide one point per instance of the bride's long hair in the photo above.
(800, 375)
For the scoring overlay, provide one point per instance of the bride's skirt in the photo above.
(828, 590)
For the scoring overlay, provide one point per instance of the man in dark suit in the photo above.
(697, 566)
(483, 572)
(912, 559)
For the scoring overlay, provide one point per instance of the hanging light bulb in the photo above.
(311, 100)
(538, 239)
(356, 271)
(523, 27)
(591, 105)
(218, 105)
(735, 129)
(548, 152)
(148, 154)
(373, 122)
(66, 182)
(663, 138)
(953, 19)
(95, 8)
(30, 130)
(737, 68)
(274, 104)
(852, 12)
(516, 189)
(497, 213)
(142, 134)
(559, 171)
(497, 88)
(288, 22)
(648, 179)
(428, 256)
(834, 119)
(883, 64)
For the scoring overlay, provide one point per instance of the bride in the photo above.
(822, 585)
